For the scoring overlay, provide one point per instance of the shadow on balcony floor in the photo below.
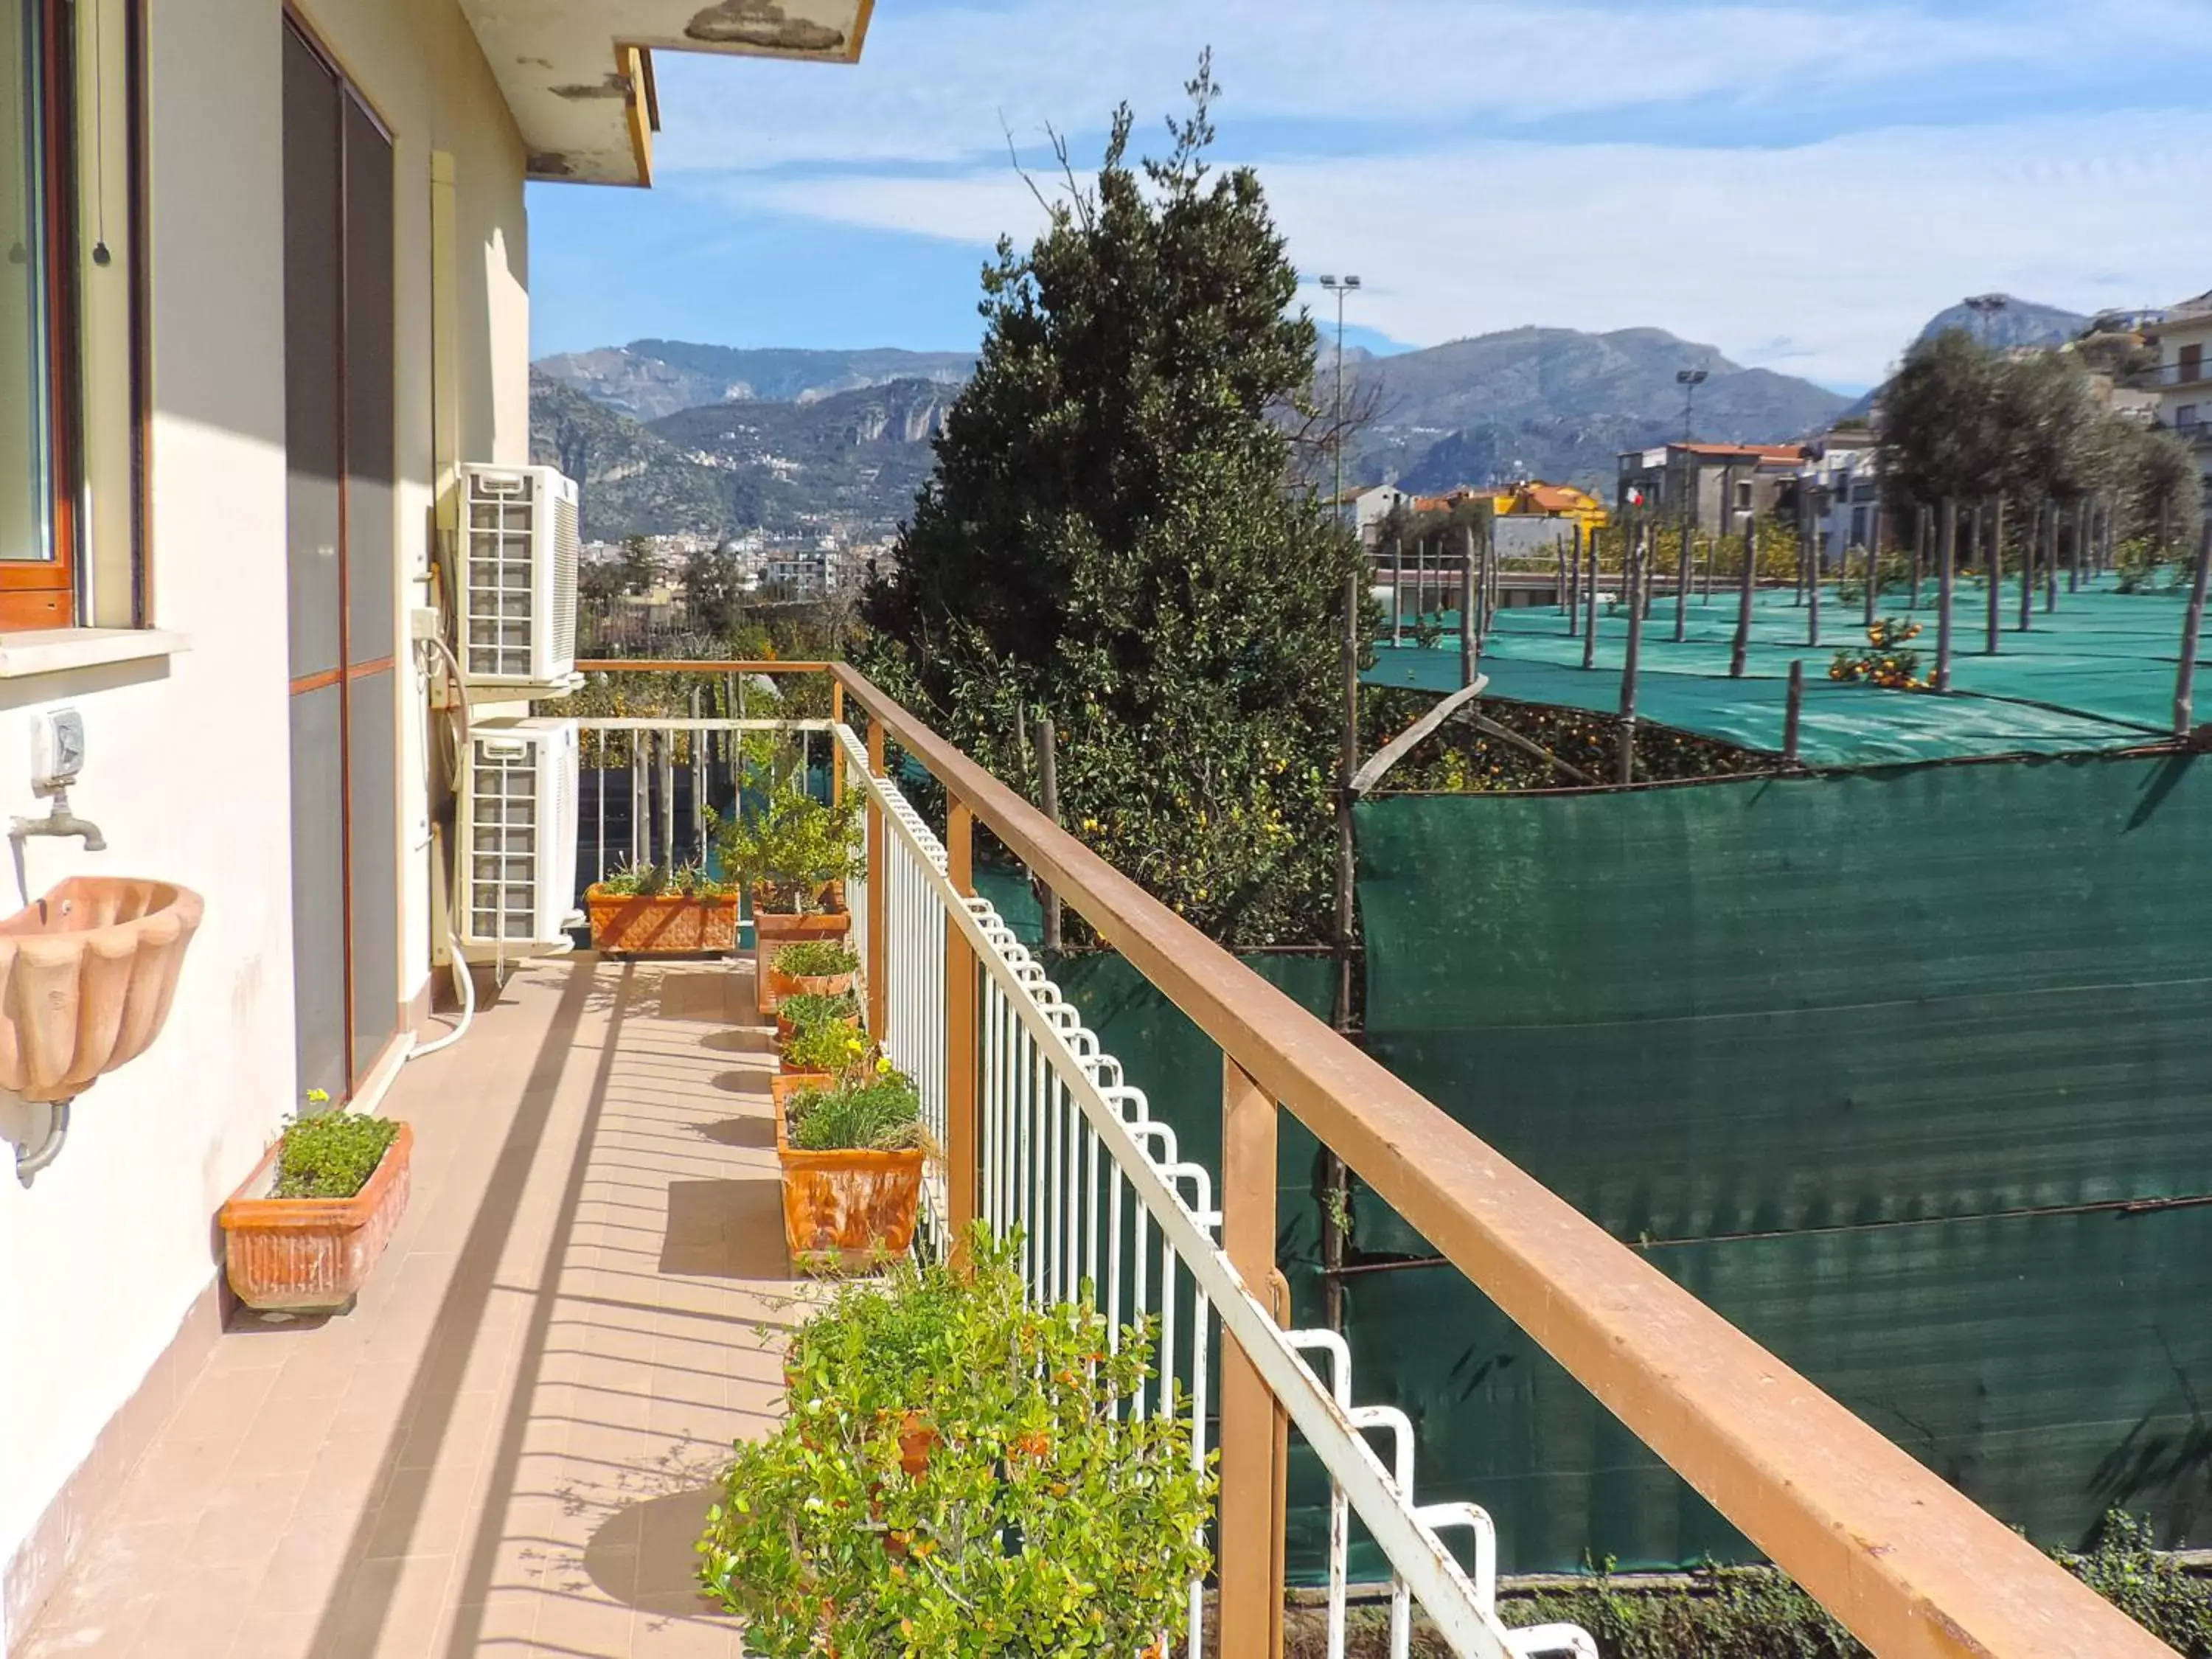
(510, 1444)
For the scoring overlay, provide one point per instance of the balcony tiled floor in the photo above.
(509, 1445)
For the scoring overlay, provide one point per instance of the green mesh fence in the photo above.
(1857, 1058)
(2097, 673)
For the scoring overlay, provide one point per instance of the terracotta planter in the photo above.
(844, 1210)
(311, 1254)
(782, 986)
(773, 929)
(665, 924)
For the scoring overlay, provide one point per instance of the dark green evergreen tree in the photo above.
(1113, 538)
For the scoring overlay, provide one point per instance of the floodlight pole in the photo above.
(1334, 1177)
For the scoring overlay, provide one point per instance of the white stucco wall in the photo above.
(188, 773)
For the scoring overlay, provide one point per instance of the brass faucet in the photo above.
(59, 822)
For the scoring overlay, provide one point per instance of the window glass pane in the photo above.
(24, 466)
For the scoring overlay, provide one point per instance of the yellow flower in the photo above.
(883, 1065)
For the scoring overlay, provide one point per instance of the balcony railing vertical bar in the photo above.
(1910, 1565)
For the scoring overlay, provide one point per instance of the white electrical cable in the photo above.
(459, 963)
(468, 1003)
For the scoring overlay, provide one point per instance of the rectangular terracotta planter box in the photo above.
(311, 1254)
(844, 1211)
(664, 924)
(773, 929)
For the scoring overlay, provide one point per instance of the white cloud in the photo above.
(1819, 259)
(943, 84)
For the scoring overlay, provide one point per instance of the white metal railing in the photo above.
(1071, 1156)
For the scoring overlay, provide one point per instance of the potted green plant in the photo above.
(832, 1047)
(851, 1153)
(301, 1233)
(957, 1475)
(794, 1014)
(652, 910)
(813, 966)
(794, 856)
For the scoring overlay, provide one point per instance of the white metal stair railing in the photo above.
(1071, 1156)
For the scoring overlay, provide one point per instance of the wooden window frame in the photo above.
(42, 592)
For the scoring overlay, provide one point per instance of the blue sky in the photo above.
(1800, 185)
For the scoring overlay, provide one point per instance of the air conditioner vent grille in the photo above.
(517, 598)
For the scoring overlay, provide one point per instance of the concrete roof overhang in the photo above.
(578, 74)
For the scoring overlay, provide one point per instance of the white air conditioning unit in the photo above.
(518, 578)
(517, 832)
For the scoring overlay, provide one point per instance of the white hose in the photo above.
(468, 983)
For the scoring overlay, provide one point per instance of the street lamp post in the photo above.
(1333, 1174)
(1689, 380)
(1340, 287)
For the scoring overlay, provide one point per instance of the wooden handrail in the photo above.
(691, 665)
(1911, 1565)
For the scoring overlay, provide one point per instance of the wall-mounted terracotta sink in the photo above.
(86, 977)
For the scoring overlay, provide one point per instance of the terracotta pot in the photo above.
(845, 1209)
(773, 929)
(665, 924)
(311, 1254)
(782, 986)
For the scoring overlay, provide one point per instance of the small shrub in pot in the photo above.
(954, 1478)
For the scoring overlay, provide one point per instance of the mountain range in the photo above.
(784, 466)
(646, 379)
(1560, 404)
(670, 435)
(2016, 324)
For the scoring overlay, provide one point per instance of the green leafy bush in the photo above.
(835, 1047)
(817, 958)
(881, 1114)
(662, 881)
(954, 1480)
(331, 1154)
(793, 847)
(809, 1009)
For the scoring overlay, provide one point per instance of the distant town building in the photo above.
(1368, 506)
(1840, 478)
(1712, 483)
(2184, 339)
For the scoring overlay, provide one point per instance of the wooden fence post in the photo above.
(1946, 549)
(1739, 654)
(1793, 711)
(1251, 1421)
(1634, 567)
(1589, 605)
(1048, 750)
(2192, 623)
(1993, 566)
